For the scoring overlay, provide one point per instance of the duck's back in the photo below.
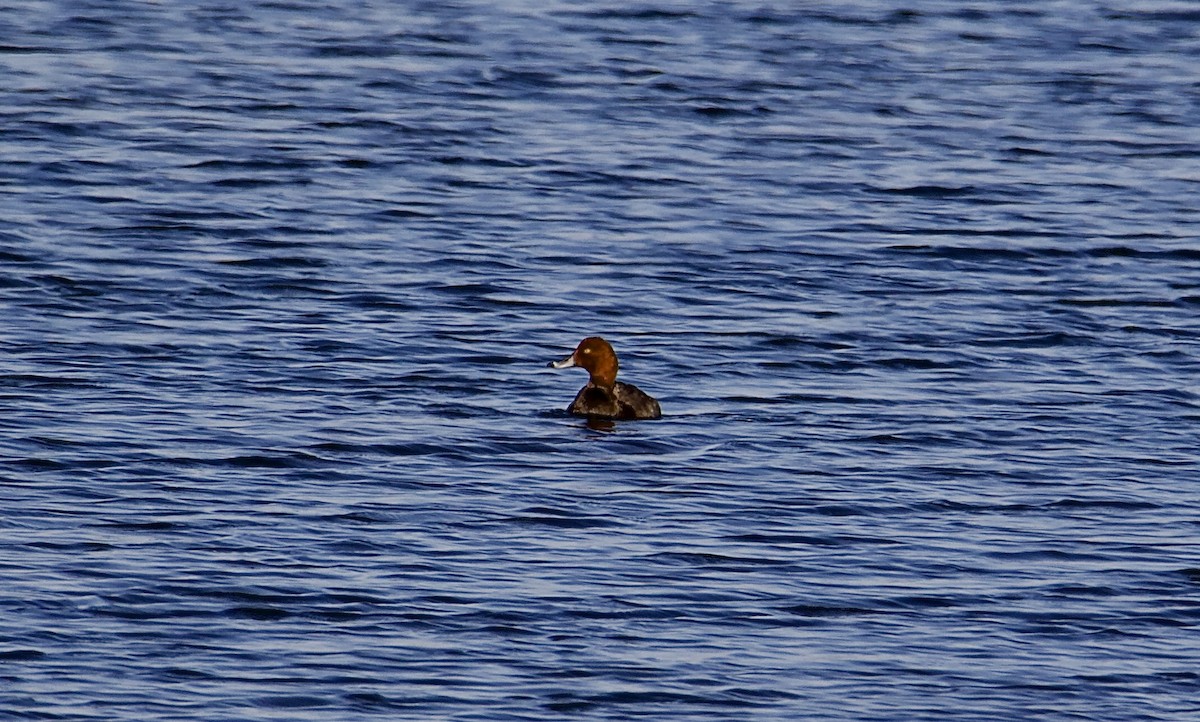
(635, 403)
(623, 401)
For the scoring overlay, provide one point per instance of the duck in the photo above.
(604, 397)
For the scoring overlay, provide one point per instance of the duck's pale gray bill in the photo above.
(566, 363)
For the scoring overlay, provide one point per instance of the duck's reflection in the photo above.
(597, 424)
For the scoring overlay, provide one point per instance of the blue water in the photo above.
(917, 285)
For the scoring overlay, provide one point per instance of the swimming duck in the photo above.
(604, 397)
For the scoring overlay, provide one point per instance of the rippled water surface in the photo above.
(917, 286)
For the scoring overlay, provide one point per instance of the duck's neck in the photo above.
(604, 376)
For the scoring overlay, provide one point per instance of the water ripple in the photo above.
(915, 287)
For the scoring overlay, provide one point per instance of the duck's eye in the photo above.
(587, 350)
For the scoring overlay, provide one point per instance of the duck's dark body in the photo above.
(622, 401)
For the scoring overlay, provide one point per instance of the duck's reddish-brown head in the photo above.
(594, 354)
